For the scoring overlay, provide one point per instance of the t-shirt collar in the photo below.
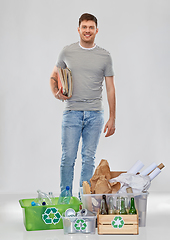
(87, 48)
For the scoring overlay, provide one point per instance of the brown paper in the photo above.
(100, 181)
(116, 187)
(86, 188)
(102, 186)
(102, 169)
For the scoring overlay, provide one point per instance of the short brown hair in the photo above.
(87, 17)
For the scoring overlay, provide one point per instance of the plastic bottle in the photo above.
(65, 196)
(43, 198)
(51, 196)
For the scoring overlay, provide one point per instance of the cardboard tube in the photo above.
(160, 166)
(149, 169)
(136, 167)
(155, 172)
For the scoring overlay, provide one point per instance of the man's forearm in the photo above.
(54, 83)
(112, 103)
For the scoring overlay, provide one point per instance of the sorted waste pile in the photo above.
(105, 182)
(118, 200)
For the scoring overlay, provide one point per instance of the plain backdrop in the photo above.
(32, 34)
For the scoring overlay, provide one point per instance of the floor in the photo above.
(12, 227)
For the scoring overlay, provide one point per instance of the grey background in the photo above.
(32, 33)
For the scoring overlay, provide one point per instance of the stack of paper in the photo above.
(65, 81)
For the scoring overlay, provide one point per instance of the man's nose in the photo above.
(87, 29)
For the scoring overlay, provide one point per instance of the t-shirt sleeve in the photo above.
(109, 67)
(60, 62)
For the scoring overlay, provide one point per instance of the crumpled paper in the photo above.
(138, 183)
(100, 181)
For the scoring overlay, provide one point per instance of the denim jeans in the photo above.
(77, 124)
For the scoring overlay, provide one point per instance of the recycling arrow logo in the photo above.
(80, 225)
(118, 222)
(51, 216)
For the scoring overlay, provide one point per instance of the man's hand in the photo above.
(60, 96)
(110, 127)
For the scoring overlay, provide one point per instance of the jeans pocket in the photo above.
(66, 112)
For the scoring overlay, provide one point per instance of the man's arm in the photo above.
(110, 88)
(54, 86)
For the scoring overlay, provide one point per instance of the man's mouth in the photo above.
(87, 35)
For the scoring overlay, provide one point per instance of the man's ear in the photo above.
(97, 30)
(78, 29)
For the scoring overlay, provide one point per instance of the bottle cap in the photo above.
(32, 203)
(67, 188)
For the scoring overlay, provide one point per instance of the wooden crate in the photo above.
(117, 224)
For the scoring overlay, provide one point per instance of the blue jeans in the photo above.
(76, 124)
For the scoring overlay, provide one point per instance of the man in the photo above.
(83, 115)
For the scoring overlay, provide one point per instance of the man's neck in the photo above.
(87, 44)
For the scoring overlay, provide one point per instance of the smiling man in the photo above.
(83, 116)
(87, 30)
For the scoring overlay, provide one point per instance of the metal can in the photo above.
(70, 212)
(85, 212)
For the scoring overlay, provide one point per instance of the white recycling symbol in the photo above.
(51, 216)
(118, 222)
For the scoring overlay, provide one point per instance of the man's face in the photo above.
(87, 31)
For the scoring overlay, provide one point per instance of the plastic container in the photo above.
(79, 224)
(92, 202)
(65, 196)
(45, 217)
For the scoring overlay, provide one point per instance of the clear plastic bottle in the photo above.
(43, 198)
(51, 196)
(65, 196)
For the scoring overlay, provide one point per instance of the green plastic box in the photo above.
(45, 217)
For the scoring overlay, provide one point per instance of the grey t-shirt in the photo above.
(88, 67)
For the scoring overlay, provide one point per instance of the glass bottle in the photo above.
(122, 206)
(104, 197)
(118, 205)
(103, 210)
(127, 204)
(111, 206)
(132, 209)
